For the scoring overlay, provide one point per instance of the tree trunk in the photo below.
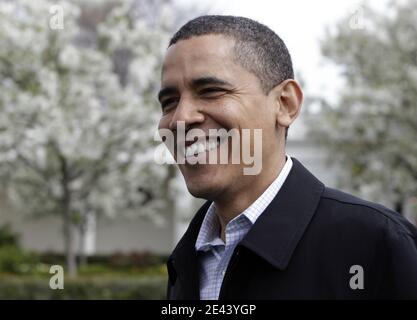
(69, 228)
(82, 255)
(70, 246)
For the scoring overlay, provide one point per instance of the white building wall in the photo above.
(121, 234)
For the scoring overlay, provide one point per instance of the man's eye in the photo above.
(212, 92)
(168, 104)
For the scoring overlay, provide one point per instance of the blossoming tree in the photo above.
(76, 133)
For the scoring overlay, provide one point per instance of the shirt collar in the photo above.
(209, 232)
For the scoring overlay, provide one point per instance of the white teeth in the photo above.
(212, 145)
(189, 151)
(199, 147)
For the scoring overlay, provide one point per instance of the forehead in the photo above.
(208, 55)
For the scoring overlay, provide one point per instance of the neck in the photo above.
(230, 206)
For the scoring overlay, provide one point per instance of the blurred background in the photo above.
(79, 184)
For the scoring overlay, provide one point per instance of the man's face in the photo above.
(206, 89)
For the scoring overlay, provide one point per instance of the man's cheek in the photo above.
(165, 150)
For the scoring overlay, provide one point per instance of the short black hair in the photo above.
(257, 48)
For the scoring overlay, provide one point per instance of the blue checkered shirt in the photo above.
(214, 253)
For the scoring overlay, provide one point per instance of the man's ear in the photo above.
(288, 98)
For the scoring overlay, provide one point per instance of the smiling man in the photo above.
(279, 233)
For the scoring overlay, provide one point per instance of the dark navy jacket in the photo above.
(304, 245)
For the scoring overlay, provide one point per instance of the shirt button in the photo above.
(223, 272)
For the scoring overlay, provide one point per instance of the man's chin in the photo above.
(203, 191)
(206, 181)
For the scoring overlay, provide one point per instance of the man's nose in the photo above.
(188, 112)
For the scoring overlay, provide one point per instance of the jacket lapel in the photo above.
(278, 230)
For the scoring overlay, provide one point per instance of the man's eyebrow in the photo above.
(209, 80)
(171, 90)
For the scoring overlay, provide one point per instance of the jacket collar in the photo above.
(282, 223)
